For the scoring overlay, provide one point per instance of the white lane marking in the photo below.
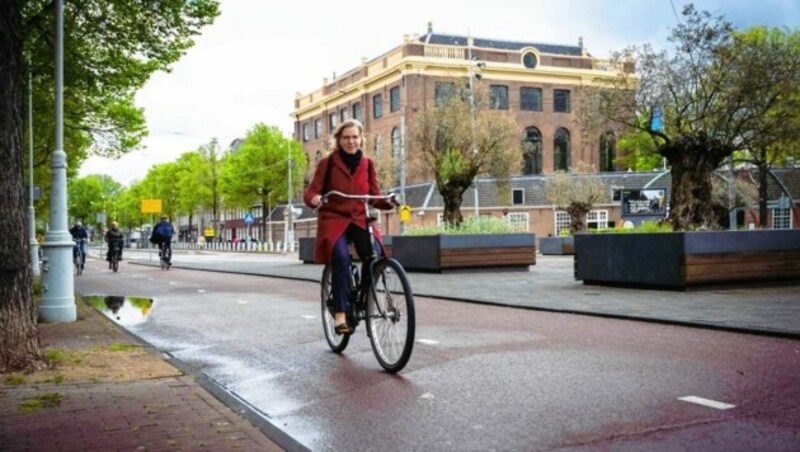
(173, 283)
(427, 341)
(242, 301)
(707, 402)
(427, 395)
(310, 317)
(201, 291)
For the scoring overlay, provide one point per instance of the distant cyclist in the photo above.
(115, 241)
(162, 236)
(81, 238)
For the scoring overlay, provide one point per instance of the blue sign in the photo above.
(657, 123)
(248, 218)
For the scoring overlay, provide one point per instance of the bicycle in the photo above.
(383, 298)
(114, 249)
(165, 255)
(78, 258)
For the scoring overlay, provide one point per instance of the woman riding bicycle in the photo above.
(340, 220)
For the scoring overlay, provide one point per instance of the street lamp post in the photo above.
(33, 243)
(471, 73)
(58, 301)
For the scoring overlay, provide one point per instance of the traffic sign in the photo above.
(405, 213)
(248, 218)
(151, 206)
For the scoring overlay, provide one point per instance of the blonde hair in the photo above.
(346, 124)
(114, 224)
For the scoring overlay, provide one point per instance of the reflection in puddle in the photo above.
(123, 310)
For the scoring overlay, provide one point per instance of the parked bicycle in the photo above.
(78, 258)
(383, 298)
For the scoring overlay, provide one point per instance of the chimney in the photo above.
(430, 27)
(325, 81)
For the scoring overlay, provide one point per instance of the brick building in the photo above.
(537, 82)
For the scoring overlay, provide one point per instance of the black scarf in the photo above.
(351, 160)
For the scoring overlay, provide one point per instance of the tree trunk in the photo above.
(693, 160)
(19, 335)
(452, 193)
(763, 211)
(577, 215)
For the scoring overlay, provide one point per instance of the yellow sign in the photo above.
(208, 232)
(151, 206)
(405, 213)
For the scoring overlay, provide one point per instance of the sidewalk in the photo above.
(136, 401)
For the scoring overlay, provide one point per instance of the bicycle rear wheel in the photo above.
(390, 315)
(337, 342)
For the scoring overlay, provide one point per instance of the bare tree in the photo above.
(457, 141)
(576, 193)
(707, 108)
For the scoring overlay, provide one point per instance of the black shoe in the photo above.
(343, 328)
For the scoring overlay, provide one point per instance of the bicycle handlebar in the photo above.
(361, 197)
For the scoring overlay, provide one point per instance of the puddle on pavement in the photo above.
(123, 310)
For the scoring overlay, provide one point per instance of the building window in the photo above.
(397, 144)
(394, 99)
(344, 114)
(561, 150)
(532, 151)
(781, 218)
(517, 196)
(519, 221)
(529, 60)
(318, 128)
(607, 152)
(377, 106)
(357, 111)
(318, 156)
(498, 97)
(306, 131)
(562, 223)
(597, 219)
(530, 99)
(439, 219)
(443, 92)
(561, 101)
(331, 122)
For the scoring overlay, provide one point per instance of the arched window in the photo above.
(396, 150)
(561, 150)
(532, 151)
(608, 152)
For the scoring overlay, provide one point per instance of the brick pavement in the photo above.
(162, 413)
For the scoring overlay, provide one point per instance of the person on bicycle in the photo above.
(162, 236)
(115, 241)
(81, 238)
(340, 220)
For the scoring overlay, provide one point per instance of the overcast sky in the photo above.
(248, 65)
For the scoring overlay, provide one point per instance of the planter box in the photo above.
(305, 249)
(678, 260)
(557, 245)
(437, 253)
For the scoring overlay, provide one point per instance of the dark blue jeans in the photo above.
(340, 264)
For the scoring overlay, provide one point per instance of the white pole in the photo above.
(472, 110)
(58, 302)
(289, 227)
(33, 243)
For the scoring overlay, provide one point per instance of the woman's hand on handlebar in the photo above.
(316, 201)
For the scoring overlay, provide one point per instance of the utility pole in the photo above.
(402, 167)
(58, 301)
(471, 73)
(289, 208)
(33, 243)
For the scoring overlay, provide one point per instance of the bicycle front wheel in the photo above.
(337, 342)
(390, 315)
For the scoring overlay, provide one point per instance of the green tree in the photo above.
(111, 47)
(767, 65)
(457, 141)
(258, 171)
(92, 195)
(189, 189)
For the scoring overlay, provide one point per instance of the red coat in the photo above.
(336, 215)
